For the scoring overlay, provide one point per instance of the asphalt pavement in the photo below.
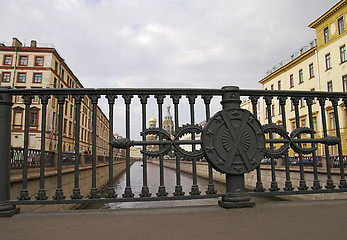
(318, 220)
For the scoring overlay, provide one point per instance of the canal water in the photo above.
(153, 185)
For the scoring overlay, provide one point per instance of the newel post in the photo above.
(235, 183)
(6, 209)
(234, 144)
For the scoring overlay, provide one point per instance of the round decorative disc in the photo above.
(233, 141)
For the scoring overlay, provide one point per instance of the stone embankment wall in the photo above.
(251, 178)
(68, 177)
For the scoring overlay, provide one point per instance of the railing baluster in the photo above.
(316, 183)
(59, 191)
(145, 190)
(259, 184)
(274, 185)
(6, 209)
(24, 194)
(127, 191)
(94, 191)
(178, 187)
(110, 190)
(302, 182)
(195, 188)
(161, 190)
(342, 184)
(76, 193)
(288, 184)
(329, 183)
(41, 195)
(210, 187)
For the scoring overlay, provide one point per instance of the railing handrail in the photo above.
(169, 91)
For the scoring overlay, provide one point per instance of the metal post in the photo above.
(210, 188)
(6, 209)
(235, 196)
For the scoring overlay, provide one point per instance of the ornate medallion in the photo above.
(233, 141)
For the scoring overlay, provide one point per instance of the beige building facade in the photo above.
(319, 66)
(42, 67)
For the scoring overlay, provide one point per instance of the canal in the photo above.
(170, 182)
(153, 185)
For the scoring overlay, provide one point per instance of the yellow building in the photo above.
(42, 67)
(319, 66)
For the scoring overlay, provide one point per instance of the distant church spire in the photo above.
(168, 124)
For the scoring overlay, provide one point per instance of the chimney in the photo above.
(16, 42)
(33, 43)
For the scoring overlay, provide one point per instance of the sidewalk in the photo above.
(306, 220)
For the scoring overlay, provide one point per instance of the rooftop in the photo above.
(32, 44)
(294, 56)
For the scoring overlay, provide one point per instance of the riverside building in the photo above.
(36, 66)
(319, 66)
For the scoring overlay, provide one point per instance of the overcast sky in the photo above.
(165, 43)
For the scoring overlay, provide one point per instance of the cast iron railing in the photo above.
(33, 160)
(232, 141)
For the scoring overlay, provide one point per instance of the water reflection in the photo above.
(153, 185)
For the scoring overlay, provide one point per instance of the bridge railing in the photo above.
(34, 155)
(233, 140)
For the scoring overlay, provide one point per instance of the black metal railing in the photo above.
(233, 141)
(33, 159)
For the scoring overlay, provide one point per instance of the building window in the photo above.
(279, 85)
(302, 102)
(36, 99)
(340, 24)
(272, 110)
(19, 99)
(71, 110)
(343, 53)
(291, 81)
(312, 90)
(66, 108)
(314, 122)
(17, 118)
(326, 34)
(6, 76)
(330, 86)
(332, 120)
(23, 60)
(38, 61)
(34, 117)
(344, 83)
(301, 76)
(21, 77)
(303, 122)
(311, 70)
(37, 77)
(70, 128)
(272, 87)
(293, 123)
(65, 123)
(8, 60)
(327, 61)
(292, 107)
